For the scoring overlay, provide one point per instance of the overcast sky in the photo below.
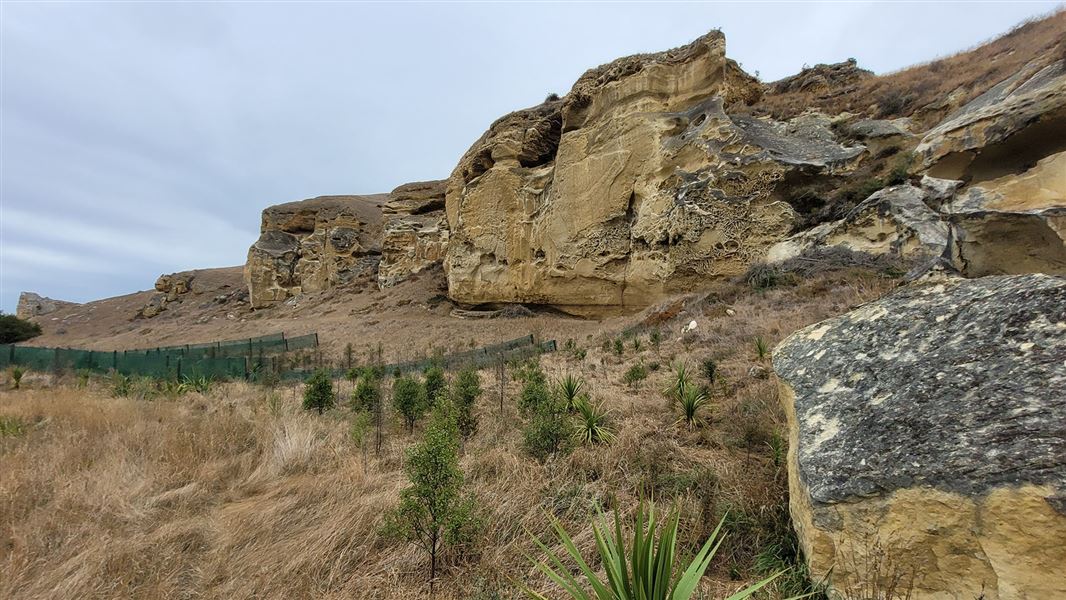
(145, 138)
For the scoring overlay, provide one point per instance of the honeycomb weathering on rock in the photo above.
(313, 245)
(651, 186)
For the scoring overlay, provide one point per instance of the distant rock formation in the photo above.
(636, 184)
(313, 245)
(34, 305)
(837, 77)
(928, 439)
(415, 231)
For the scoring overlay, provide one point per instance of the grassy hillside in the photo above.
(239, 493)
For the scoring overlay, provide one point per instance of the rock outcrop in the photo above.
(313, 245)
(839, 78)
(415, 231)
(994, 187)
(896, 220)
(34, 305)
(928, 440)
(635, 185)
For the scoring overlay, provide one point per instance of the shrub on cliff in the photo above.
(14, 329)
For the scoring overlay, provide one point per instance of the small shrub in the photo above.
(619, 347)
(83, 378)
(318, 392)
(548, 431)
(534, 394)
(14, 329)
(636, 344)
(434, 513)
(409, 400)
(360, 428)
(656, 338)
(435, 384)
(592, 425)
(465, 391)
(710, 369)
(367, 393)
(761, 276)
(635, 374)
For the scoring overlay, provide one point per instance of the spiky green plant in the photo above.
(619, 347)
(16, 376)
(644, 570)
(637, 345)
(678, 383)
(568, 389)
(692, 399)
(592, 425)
(762, 349)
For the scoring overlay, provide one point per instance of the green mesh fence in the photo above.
(234, 359)
(517, 348)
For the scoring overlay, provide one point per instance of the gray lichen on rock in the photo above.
(960, 386)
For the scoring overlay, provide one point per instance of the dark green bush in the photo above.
(14, 329)
(465, 391)
(318, 392)
(409, 399)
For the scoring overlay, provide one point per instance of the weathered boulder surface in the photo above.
(415, 231)
(635, 185)
(895, 220)
(1004, 130)
(928, 437)
(34, 305)
(313, 245)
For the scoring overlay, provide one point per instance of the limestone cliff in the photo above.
(313, 245)
(638, 183)
(415, 231)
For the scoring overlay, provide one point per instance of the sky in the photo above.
(141, 138)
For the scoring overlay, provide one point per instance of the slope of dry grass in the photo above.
(966, 74)
(228, 495)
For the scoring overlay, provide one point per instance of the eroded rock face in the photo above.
(34, 305)
(928, 431)
(415, 231)
(896, 220)
(637, 184)
(1003, 131)
(837, 77)
(313, 245)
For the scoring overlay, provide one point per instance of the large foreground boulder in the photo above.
(928, 441)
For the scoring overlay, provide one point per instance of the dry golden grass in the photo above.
(221, 496)
(970, 72)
